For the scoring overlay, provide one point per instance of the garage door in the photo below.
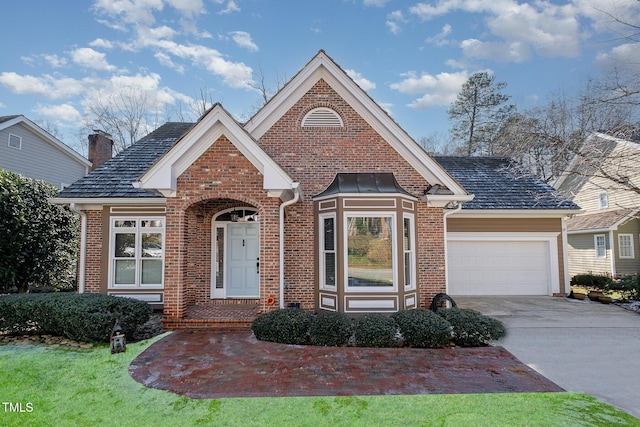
(498, 267)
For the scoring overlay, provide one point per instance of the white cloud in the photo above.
(55, 61)
(436, 90)
(188, 8)
(64, 112)
(138, 12)
(101, 43)
(541, 27)
(89, 58)
(231, 7)
(166, 60)
(243, 39)
(365, 84)
(394, 19)
(46, 85)
(440, 39)
(628, 53)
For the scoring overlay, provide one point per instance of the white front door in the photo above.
(243, 262)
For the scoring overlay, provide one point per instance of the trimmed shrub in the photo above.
(81, 317)
(472, 328)
(597, 281)
(331, 329)
(423, 328)
(375, 330)
(627, 286)
(286, 326)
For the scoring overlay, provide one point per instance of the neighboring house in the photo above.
(605, 238)
(320, 200)
(29, 150)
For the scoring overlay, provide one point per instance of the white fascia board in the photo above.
(442, 200)
(592, 230)
(164, 174)
(321, 67)
(92, 203)
(514, 213)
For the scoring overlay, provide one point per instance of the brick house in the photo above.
(320, 200)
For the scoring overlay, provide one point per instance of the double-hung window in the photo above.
(601, 245)
(137, 252)
(328, 251)
(625, 246)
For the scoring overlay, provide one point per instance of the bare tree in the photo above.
(124, 114)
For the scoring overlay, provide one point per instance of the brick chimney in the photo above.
(100, 148)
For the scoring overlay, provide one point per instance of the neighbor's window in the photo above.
(370, 251)
(625, 246)
(603, 199)
(15, 141)
(601, 246)
(137, 252)
(328, 251)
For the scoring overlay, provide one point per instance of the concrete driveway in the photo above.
(581, 346)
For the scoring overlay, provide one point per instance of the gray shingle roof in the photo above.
(497, 186)
(115, 177)
(600, 220)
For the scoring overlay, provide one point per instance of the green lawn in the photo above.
(90, 388)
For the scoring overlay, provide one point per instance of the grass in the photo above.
(91, 388)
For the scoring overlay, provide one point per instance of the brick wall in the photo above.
(93, 273)
(312, 156)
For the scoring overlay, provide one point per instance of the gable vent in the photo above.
(322, 117)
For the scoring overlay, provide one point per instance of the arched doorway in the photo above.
(235, 253)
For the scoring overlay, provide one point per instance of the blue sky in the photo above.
(411, 57)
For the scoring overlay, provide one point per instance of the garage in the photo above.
(501, 266)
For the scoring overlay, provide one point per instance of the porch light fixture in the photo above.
(118, 344)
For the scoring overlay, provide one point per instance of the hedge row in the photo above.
(81, 317)
(413, 328)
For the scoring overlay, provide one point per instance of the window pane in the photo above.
(407, 269)
(125, 245)
(370, 252)
(125, 223)
(125, 272)
(151, 223)
(152, 245)
(329, 234)
(407, 235)
(152, 272)
(219, 258)
(330, 269)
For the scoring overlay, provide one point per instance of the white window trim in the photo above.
(603, 200)
(138, 258)
(631, 248)
(412, 249)
(595, 245)
(19, 147)
(322, 251)
(394, 252)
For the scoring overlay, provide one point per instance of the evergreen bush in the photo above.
(81, 317)
(597, 281)
(375, 330)
(423, 328)
(286, 326)
(471, 328)
(331, 329)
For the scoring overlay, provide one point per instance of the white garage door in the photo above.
(499, 267)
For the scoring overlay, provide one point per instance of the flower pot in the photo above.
(578, 296)
(605, 300)
(595, 295)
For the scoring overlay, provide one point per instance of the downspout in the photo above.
(613, 254)
(83, 247)
(446, 250)
(296, 197)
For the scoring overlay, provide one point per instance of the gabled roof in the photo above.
(601, 221)
(322, 67)
(114, 177)
(9, 121)
(163, 175)
(496, 186)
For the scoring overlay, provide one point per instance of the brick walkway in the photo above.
(217, 363)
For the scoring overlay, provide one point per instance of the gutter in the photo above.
(446, 244)
(83, 247)
(296, 196)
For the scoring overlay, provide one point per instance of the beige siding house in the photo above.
(29, 150)
(605, 238)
